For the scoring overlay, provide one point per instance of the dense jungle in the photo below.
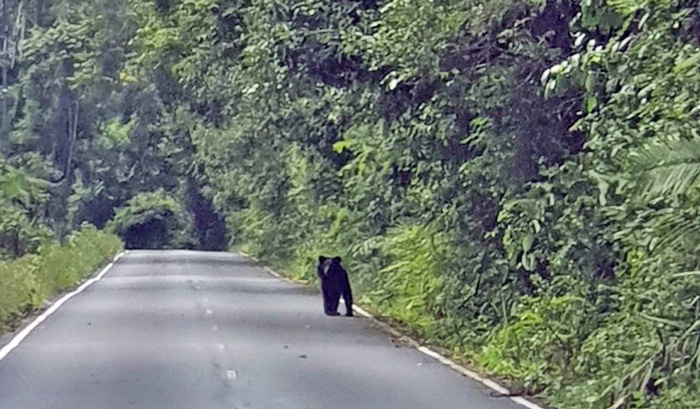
(515, 181)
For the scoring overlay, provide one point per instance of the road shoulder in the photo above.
(435, 352)
(23, 323)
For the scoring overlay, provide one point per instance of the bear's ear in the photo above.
(322, 259)
(337, 259)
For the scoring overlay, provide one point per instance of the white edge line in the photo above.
(267, 269)
(427, 351)
(525, 402)
(273, 272)
(246, 255)
(17, 340)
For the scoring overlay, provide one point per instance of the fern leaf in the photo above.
(668, 168)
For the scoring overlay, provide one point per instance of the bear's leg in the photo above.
(347, 296)
(335, 300)
(330, 307)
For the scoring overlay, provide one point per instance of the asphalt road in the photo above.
(198, 330)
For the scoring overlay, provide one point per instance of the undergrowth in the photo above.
(29, 281)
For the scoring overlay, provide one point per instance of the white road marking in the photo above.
(17, 340)
(273, 272)
(525, 402)
(445, 361)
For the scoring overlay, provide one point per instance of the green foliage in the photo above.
(28, 281)
(21, 199)
(515, 180)
(408, 287)
(152, 220)
(517, 349)
(671, 167)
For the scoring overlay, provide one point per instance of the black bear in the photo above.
(334, 283)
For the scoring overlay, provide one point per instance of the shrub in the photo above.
(152, 220)
(28, 281)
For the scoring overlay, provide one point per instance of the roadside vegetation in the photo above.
(515, 180)
(28, 282)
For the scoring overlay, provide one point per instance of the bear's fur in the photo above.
(334, 283)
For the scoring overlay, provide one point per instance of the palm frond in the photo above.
(667, 168)
(627, 7)
(676, 229)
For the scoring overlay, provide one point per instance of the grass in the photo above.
(26, 283)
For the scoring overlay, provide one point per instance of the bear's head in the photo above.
(327, 266)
